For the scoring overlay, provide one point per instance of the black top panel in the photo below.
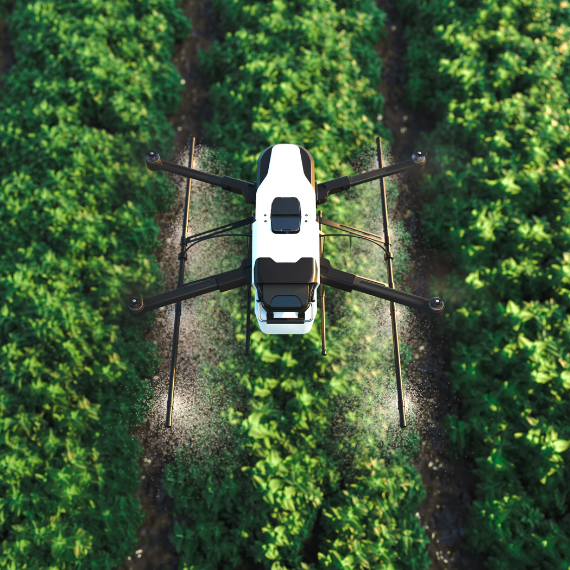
(308, 165)
(285, 216)
(263, 165)
(285, 207)
(285, 224)
(306, 159)
(283, 297)
(268, 271)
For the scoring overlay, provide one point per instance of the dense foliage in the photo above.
(5, 6)
(497, 76)
(302, 71)
(291, 465)
(90, 90)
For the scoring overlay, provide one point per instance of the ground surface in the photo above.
(6, 53)
(449, 482)
(154, 550)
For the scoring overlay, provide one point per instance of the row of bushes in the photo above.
(291, 462)
(497, 77)
(89, 92)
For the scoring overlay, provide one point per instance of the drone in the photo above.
(286, 266)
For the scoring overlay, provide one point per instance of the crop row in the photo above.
(497, 78)
(90, 88)
(291, 462)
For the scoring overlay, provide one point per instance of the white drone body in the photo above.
(285, 266)
(285, 240)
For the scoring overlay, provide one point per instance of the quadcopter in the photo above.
(286, 264)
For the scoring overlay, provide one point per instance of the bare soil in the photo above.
(7, 58)
(155, 550)
(449, 482)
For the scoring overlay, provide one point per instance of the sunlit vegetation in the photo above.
(497, 77)
(90, 90)
(301, 466)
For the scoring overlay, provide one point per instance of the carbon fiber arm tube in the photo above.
(325, 189)
(363, 285)
(246, 189)
(350, 282)
(222, 282)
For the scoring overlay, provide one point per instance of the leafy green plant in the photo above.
(497, 78)
(299, 470)
(90, 89)
(296, 71)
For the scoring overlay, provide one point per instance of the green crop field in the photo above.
(300, 473)
(91, 86)
(298, 462)
(497, 77)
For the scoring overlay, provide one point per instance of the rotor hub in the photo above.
(436, 304)
(419, 157)
(135, 305)
(153, 156)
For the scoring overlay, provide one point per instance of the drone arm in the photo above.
(325, 189)
(350, 282)
(222, 282)
(246, 189)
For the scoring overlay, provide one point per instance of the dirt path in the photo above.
(449, 482)
(7, 58)
(154, 550)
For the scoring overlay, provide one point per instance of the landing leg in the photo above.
(248, 324)
(323, 331)
(401, 403)
(322, 294)
(178, 308)
(389, 257)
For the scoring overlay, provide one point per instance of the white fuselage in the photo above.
(285, 179)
